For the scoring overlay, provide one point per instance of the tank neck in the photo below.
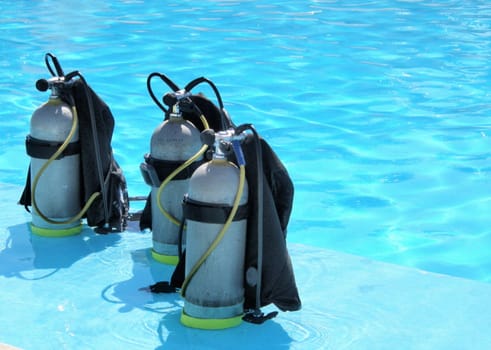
(176, 114)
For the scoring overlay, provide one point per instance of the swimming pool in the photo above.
(379, 109)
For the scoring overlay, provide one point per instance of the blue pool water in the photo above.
(379, 110)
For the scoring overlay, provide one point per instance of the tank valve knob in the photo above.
(42, 85)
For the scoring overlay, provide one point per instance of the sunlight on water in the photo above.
(379, 109)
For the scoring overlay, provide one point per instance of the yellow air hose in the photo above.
(55, 155)
(220, 235)
(169, 178)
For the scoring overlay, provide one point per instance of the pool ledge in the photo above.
(85, 292)
(364, 304)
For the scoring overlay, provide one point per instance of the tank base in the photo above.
(210, 323)
(50, 232)
(165, 259)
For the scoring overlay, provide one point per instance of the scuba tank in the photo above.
(221, 286)
(215, 209)
(73, 173)
(175, 151)
(55, 176)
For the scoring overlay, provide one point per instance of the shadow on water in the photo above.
(269, 335)
(130, 295)
(24, 252)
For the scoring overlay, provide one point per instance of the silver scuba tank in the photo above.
(55, 186)
(214, 290)
(173, 142)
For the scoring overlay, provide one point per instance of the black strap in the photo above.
(43, 149)
(165, 167)
(211, 213)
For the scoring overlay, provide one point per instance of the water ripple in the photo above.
(374, 106)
